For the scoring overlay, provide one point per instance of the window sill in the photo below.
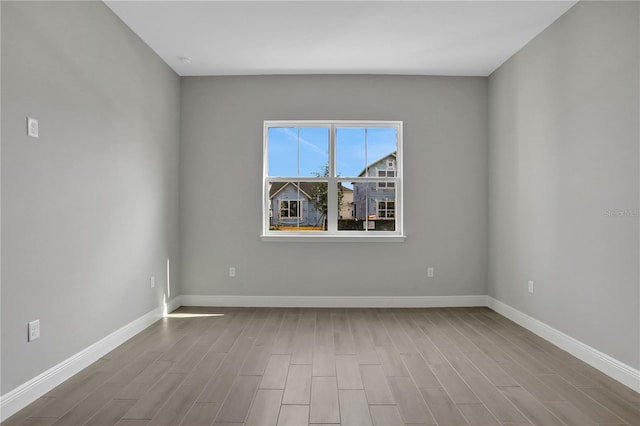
(334, 238)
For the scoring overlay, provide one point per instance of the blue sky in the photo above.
(352, 156)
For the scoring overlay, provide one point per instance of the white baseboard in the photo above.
(18, 398)
(615, 369)
(335, 301)
(172, 305)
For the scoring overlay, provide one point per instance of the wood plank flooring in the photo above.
(297, 367)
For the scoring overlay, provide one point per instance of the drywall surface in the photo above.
(89, 209)
(564, 178)
(445, 187)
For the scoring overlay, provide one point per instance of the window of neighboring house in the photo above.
(290, 209)
(386, 209)
(349, 174)
(386, 173)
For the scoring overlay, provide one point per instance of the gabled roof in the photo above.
(306, 188)
(393, 154)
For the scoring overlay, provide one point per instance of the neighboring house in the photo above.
(346, 208)
(292, 203)
(376, 201)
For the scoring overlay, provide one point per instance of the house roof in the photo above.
(307, 188)
(393, 154)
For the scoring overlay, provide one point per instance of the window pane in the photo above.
(363, 151)
(314, 151)
(297, 206)
(366, 207)
(381, 142)
(297, 151)
(283, 151)
(350, 151)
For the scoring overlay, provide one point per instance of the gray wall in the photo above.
(445, 192)
(89, 210)
(564, 178)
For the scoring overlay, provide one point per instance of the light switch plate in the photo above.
(32, 127)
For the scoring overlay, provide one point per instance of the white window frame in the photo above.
(385, 185)
(300, 214)
(332, 234)
(386, 209)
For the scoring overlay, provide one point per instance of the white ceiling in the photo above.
(470, 38)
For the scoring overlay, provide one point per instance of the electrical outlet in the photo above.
(34, 330)
(430, 272)
(531, 287)
(232, 271)
(32, 127)
(153, 282)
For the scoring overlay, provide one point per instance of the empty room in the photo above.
(320, 213)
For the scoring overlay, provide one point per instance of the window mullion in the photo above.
(332, 185)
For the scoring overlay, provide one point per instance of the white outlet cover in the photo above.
(32, 127)
(34, 330)
(153, 282)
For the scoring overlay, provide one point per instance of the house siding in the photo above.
(366, 195)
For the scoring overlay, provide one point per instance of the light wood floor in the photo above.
(261, 366)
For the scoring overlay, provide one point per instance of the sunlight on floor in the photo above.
(191, 315)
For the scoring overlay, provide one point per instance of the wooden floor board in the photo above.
(533, 409)
(354, 409)
(152, 401)
(348, 372)
(297, 388)
(385, 415)
(176, 407)
(478, 415)
(443, 408)
(410, 402)
(324, 400)
(201, 414)
(236, 406)
(89, 406)
(293, 415)
(204, 366)
(111, 412)
(265, 408)
(376, 386)
(275, 375)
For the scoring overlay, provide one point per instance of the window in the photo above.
(386, 209)
(289, 209)
(386, 173)
(332, 179)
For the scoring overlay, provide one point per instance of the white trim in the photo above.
(316, 236)
(18, 398)
(172, 305)
(613, 368)
(336, 301)
(333, 179)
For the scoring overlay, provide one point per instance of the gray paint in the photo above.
(89, 210)
(563, 157)
(445, 171)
